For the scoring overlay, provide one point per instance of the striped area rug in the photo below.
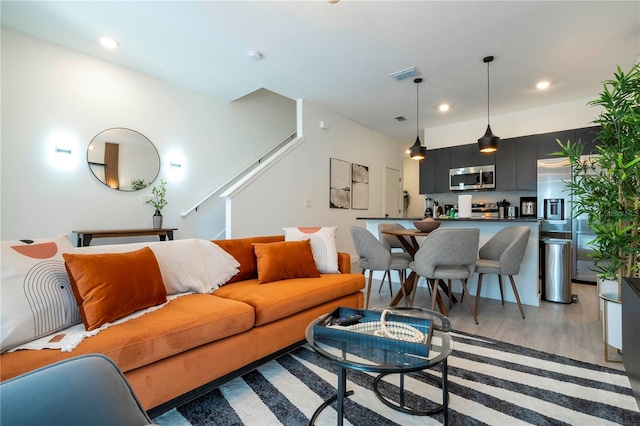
(490, 382)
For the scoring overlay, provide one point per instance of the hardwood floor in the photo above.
(571, 330)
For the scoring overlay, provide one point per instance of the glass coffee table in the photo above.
(347, 350)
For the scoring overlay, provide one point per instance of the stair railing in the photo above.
(235, 178)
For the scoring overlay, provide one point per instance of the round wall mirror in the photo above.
(123, 159)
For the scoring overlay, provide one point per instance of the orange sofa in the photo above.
(198, 340)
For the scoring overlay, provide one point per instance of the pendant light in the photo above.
(417, 151)
(489, 142)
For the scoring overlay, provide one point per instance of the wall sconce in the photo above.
(175, 166)
(63, 150)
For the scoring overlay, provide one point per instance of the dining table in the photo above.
(409, 240)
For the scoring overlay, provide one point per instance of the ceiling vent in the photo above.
(400, 118)
(404, 74)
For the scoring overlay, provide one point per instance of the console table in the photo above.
(85, 237)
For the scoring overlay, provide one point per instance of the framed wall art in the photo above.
(359, 187)
(339, 188)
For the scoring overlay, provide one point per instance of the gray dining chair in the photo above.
(392, 244)
(448, 254)
(502, 255)
(374, 256)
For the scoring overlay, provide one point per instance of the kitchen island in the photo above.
(527, 281)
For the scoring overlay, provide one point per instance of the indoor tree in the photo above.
(607, 185)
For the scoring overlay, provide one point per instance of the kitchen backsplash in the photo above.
(513, 197)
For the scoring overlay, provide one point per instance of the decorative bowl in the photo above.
(426, 225)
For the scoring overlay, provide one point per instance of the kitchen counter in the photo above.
(447, 219)
(528, 278)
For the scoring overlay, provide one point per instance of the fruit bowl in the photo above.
(426, 225)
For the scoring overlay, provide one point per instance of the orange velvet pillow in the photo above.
(242, 250)
(285, 260)
(110, 286)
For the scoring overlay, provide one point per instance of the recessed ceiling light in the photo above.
(543, 85)
(109, 43)
(444, 107)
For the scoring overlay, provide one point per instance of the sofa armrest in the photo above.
(344, 263)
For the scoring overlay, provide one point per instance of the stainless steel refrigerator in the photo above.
(554, 212)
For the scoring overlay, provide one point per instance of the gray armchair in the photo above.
(502, 255)
(86, 390)
(374, 256)
(448, 254)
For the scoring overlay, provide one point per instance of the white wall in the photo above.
(277, 199)
(48, 91)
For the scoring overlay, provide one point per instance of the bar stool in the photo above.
(502, 255)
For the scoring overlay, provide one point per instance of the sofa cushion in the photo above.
(281, 299)
(112, 285)
(323, 245)
(36, 298)
(242, 250)
(189, 265)
(182, 324)
(285, 260)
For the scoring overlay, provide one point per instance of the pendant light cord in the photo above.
(417, 110)
(488, 93)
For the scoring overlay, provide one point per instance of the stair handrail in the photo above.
(243, 172)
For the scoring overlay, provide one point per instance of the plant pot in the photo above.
(611, 322)
(157, 220)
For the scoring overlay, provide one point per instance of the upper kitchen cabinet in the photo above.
(470, 155)
(428, 174)
(480, 158)
(516, 164)
(434, 171)
(442, 158)
(526, 166)
(461, 156)
(587, 136)
(506, 166)
(548, 142)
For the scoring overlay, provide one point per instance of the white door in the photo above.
(392, 193)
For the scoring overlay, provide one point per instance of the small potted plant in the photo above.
(158, 202)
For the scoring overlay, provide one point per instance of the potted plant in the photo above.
(158, 202)
(607, 185)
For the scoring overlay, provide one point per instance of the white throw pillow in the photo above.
(186, 265)
(36, 298)
(323, 245)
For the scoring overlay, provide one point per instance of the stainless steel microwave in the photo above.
(476, 177)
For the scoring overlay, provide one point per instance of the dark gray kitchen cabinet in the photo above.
(587, 136)
(428, 174)
(506, 166)
(469, 155)
(482, 159)
(442, 158)
(461, 156)
(526, 165)
(547, 142)
(516, 167)
(434, 171)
